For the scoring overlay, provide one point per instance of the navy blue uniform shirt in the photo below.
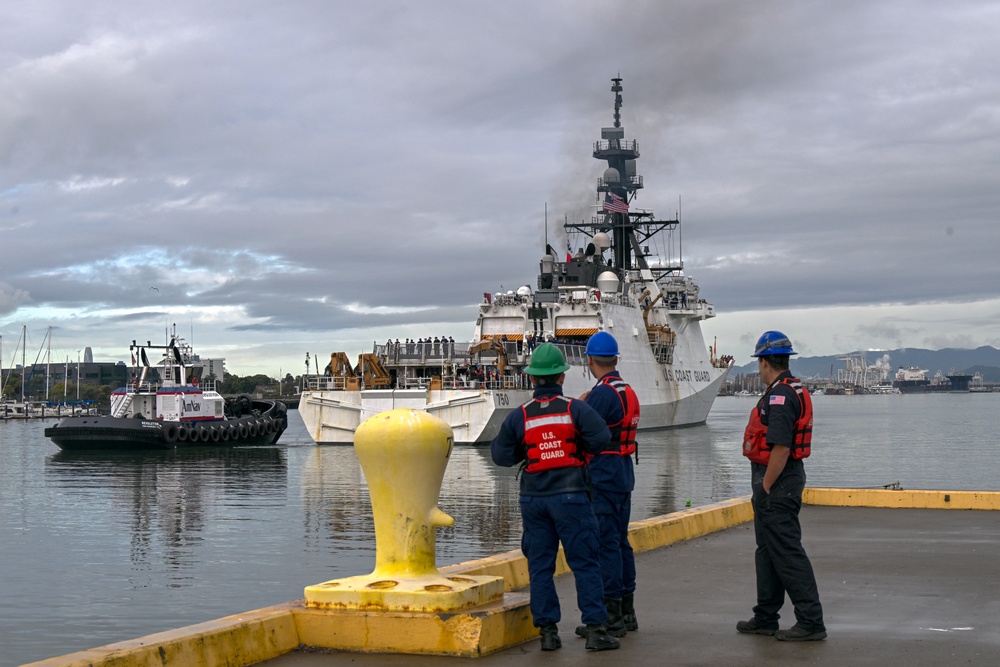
(610, 472)
(508, 447)
(780, 415)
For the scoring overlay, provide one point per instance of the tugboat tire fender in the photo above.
(225, 433)
(183, 434)
(214, 433)
(244, 429)
(170, 433)
(254, 430)
(203, 434)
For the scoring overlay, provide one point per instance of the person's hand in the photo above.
(584, 395)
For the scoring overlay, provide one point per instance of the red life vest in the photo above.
(623, 432)
(550, 435)
(755, 445)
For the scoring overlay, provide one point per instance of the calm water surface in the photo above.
(98, 548)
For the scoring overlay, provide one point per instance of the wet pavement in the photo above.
(898, 587)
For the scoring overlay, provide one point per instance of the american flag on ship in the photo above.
(615, 204)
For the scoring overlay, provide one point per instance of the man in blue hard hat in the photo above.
(776, 440)
(613, 479)
(550, 435)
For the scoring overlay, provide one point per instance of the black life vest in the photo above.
(623, 432)
(755, 445)
(550, 435)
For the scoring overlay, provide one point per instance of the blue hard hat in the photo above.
(602, 344)
(773, 343)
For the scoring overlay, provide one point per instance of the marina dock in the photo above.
(905, 577)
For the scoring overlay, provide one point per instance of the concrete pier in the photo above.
(905, 577)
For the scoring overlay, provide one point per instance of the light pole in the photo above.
(305, 378)
(78, 376)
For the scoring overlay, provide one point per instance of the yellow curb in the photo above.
(233, 641)
(954, 500)
(644, 535)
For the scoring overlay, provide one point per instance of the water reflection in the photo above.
(167, 499)
(337, 514)
(483, 498)
(336, 509)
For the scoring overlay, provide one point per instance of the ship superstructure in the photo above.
(614, 283)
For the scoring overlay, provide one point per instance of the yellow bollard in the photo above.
(403, 454)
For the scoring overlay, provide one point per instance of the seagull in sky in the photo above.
(156, 288)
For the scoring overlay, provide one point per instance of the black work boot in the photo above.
(797, 633)
(598, 639)
(628, 612)
(756, 627)
(615, 625)
(550, 637)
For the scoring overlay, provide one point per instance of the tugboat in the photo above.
(624, 280)
(167, 406)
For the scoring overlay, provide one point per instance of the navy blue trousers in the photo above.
(781, 560)
(566, 518)
(614, 511)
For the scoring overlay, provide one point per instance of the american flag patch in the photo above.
(777, 400)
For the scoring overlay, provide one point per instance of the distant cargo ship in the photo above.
(914, 380)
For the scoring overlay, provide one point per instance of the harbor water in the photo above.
(97, 548)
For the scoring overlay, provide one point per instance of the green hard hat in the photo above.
(547, 359)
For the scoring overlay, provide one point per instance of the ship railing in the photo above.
(574, 353)
(513, 381)
(325, 383)
(602, 145)
(663, 351)
(458, 382)
(617, 298)
(141, 387)
(422, 354)
(500, 299)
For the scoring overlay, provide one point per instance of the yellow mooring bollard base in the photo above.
(403, 454)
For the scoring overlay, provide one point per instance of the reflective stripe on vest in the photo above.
(755, 445)
(623, 431)
(550, 435)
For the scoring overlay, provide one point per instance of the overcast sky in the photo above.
(279, 178)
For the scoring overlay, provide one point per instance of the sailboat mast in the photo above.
(24, 345)
(48, 363)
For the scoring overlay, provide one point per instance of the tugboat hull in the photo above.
(110, 433)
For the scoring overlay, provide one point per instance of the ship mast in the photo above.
(619, 179)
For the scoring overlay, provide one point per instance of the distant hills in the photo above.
(984, 360)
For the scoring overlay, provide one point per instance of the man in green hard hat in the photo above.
(550, 436)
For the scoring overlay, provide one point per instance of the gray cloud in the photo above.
(267, 167)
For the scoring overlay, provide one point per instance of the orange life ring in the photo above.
(194, 381)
